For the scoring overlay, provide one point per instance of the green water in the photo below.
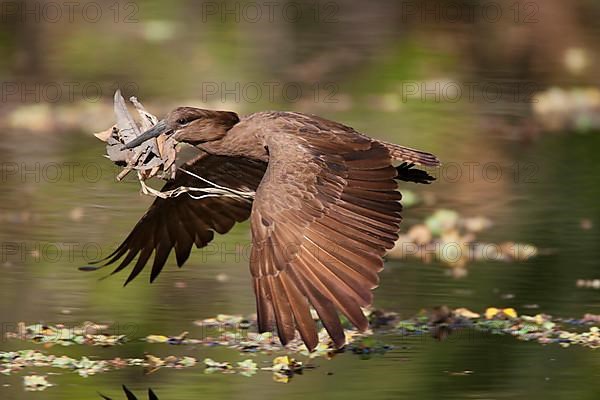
(60, 206)
(546, 212)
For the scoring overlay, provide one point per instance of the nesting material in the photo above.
(155, 157)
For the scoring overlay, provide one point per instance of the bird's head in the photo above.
(190, 125)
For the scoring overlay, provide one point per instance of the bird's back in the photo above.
(298, 128)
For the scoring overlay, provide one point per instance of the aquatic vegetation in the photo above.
(88, 333)
(284, 368)
(17, 361)
(153, 363)
(247, 367)
(591, 318)
(439, 323)
(368, 346)
(11, 362)
(571, 109)
(466, 313)
(541, 327)
(588, 283)
(212, 366)
(36, 383)
(451, 239)
(502, 313)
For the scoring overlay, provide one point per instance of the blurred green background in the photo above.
(509, 86)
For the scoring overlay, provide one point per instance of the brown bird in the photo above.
(325, 209)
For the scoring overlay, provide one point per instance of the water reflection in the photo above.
(131, 396)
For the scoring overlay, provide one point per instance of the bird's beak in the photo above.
(156, 130)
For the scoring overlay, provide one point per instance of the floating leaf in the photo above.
(476, 224)
(247, 367)
(210, 363)
(466, 313)
(157, 339)
(36, 383)
(442, 221)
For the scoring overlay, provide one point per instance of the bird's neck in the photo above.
(237, 143)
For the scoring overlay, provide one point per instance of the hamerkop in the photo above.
(324, 211)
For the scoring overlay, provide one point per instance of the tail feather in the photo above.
(407, 154)
(407, 173)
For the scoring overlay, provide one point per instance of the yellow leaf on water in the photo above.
(466, 313)
(281, 378)
(285, 360)
(156, 339)
(491, 312)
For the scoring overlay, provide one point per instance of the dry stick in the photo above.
(130, 166)
(124, 173)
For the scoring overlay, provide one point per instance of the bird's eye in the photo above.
(181, 121)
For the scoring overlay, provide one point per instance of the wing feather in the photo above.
(325, 213)
(179, 223)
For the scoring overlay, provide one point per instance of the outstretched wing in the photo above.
(324, 214)
(179, 222)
